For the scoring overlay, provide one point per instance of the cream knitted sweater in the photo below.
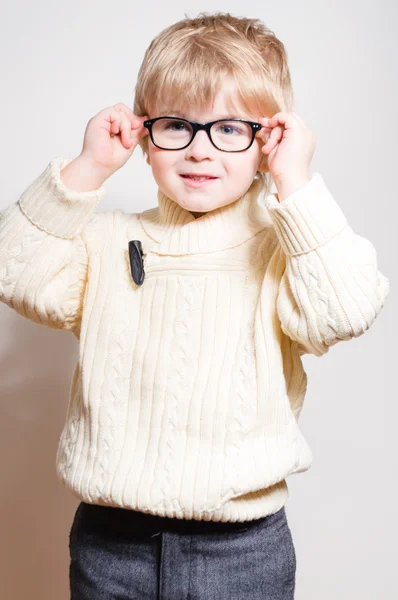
(187, 391)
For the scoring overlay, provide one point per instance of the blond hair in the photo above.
(186, 64)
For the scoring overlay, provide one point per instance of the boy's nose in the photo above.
(201, 146)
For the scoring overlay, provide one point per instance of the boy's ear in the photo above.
(263, 166)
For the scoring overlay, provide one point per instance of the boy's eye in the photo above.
(227, 128)
(174, 125)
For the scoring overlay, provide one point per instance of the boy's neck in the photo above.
(197, 214)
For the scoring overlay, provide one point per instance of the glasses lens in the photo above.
(171, 133)
(231, 135)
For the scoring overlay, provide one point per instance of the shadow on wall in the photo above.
(36, 366)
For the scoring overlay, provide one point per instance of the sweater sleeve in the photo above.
(331, 289)
(43, 256)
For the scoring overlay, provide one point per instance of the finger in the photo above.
(264, 132)
(135, 121)
(139, 123)
(283, 118)
(125, 131)
(264, 121)
(120, 125)
(139, 132)
(274, 138)
(115, 118)
(120, 106)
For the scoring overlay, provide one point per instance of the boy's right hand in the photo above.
(111, 137)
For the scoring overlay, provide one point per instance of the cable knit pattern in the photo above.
(181, 380)
(188, 389)
(311, 283)
(66, 446)
(317, 295)
(316, 304)
(243, 393)
(115, 386)
(59, 288)
(49, 292)
(18, 250)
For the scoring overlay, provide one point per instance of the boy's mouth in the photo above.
(197, 181)
(197, 177)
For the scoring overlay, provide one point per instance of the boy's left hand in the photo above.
(290, 145)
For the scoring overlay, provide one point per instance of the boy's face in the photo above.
(234, 171)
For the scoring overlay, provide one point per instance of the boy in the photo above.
(192, 317)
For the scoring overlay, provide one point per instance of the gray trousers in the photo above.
(120, 554)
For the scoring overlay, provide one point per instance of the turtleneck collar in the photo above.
(177, 231)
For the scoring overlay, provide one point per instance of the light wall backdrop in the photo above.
(61, 64)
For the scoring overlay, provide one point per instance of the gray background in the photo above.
(61, 64)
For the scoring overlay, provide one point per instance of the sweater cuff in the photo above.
(55, 208)
(307, 218)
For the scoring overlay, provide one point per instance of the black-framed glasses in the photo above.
(227, 135)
